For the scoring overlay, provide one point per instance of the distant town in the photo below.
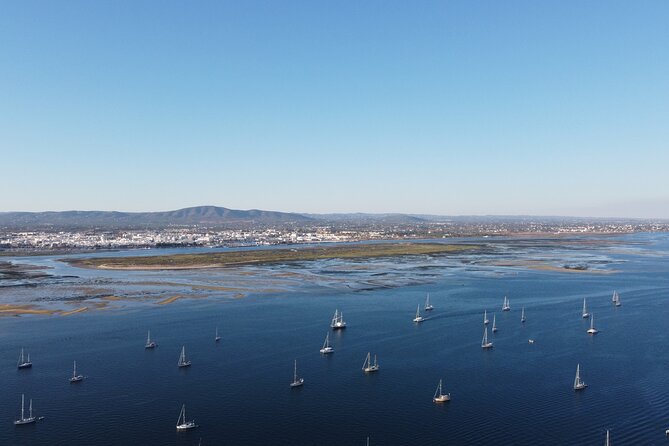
(352, 228)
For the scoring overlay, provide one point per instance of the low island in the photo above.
(267, 256)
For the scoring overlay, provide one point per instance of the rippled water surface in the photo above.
(238, 390)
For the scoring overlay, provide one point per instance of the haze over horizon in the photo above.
(443, 108)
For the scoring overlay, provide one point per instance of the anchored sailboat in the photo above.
(485, 343)
(522, 315)
(578, 382)
(216, 336)
(592, 330)
(296, 381)
(505, 305)
(494, 323)
(428, 305)
(182, 424)
(24, 361)
(76, 378)
(326, 345)
(368, 366)
(440, 397)
(486, 321)
(338, 321)
(183, 361)
(24, 419)
(418, 317)
(149, 342)
(585, 313)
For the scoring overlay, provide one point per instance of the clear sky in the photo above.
(444, 107)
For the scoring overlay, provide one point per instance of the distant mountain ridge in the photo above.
(198, 215)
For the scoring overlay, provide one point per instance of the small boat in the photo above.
(522, 315)
(585, 313)
(578, 382)
(440, 397)
(24, 361)
(418, 317)
(326, 345)
(149, 342)
(530, 341)
(485, 343)
(338, 321)
(428, 305)
(494, 323)
(592, 330)
(368, 366)
(76, 378)
(216, 336)
(182, 424)
(25, 420)
(486, 321)
(616, 299)
(505, 305)
(183, 361)
(608, 438)
(297, 382)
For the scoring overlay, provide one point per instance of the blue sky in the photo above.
(468, 107)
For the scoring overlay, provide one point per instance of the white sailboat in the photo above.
(326, 345)
(182, 424)
(616, 299)
(485, 343)
(522, 315)
(592, 330)
(149, 342)
(183, 361)
(505, 305)
(578, 382)
(418, 317)
(608, 438)
(428, 305)
(24, 361)
(25, 420)
(216, 336)
(296, 381)
(585, 313)
(76, 378)
(368, 366)
(440, 397)
(494, 323)
(486, 321)
(338, 320)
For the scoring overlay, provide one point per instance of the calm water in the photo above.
(238, 390)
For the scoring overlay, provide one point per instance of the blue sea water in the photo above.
(238, 390)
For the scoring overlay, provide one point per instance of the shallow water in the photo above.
(238, 390)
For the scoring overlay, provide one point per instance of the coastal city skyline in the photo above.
(447, 108)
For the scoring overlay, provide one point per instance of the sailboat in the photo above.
(485, 343)
(182, 424)
(505, 305)
(23, 419)
(494, 323)
(338, 320)
(368, 366)
(24, 361)
(183, 362)
(592, 330)
(296, 381)
(608, 438)
(149, 342)
(486, 321)
(418, 317)
(578, 383)
(616, 299)
(440, 397)
(216, 336)
(522, 315)
(326, 345)
(428, 305)
(585, 313)
(76, 378)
